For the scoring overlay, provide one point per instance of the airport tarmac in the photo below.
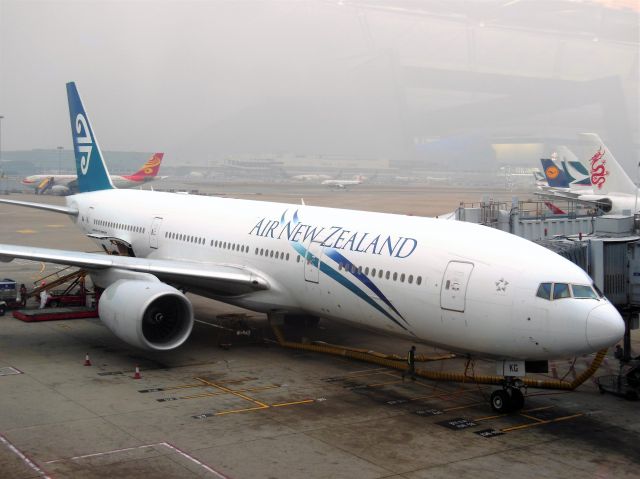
(229, 404)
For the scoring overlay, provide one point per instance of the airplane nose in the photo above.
(605, 326)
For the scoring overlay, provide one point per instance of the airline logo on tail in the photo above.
(151, 167)
(552, 172)
(599, 172)
(84, 142)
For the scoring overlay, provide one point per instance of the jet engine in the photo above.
(146, 314)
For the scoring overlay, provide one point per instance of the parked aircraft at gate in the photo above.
(612, 189)
(67, 184)
(460, 286)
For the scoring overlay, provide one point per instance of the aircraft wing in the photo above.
(42, 206)
(222, 279)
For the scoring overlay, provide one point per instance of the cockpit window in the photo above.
(561, 290)
(544, 291)
(598, 291)
(583, 291)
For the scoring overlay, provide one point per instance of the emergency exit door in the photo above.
(154, 231)
(453, 290)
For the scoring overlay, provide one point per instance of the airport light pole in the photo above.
(59, 148)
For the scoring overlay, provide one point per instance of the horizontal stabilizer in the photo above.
(42, 206)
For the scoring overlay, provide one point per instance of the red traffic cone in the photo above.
(137, 373)
(87, 361)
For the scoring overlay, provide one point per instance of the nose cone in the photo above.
(605, 326)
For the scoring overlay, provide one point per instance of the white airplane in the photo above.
(63, 185)
(455, 285)
(311, 177)
(612, 190)
(343, 184)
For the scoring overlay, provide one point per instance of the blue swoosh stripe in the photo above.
(336, 276)
(338, 258)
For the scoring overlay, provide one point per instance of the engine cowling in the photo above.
(146, 314)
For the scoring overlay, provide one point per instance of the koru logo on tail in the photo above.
(598, 170)
(84, 141)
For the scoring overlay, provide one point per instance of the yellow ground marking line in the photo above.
(504, 415)
(459, 392)
(56, 226)
(486, 418)
(199, 385)
(26, 231)
(537, 409)
(231, 391)
(234, 411)
(363, 373)
(293, 403)
(463, 407)
(375, 385)
(540, 422)
(220, 393)
(533, 418)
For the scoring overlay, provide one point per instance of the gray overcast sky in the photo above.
(204, 79)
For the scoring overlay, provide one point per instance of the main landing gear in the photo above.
(509, 398)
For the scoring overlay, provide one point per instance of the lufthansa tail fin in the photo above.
(607, 176)
(92, 171)
(555, 176)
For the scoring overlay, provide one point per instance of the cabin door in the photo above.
(154, 232)
(312, 262)
(453, 290)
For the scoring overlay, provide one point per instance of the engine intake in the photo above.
(147, 314)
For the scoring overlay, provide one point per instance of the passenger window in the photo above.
(583, 291)
(544, 291)
(419, 280)
(561, 290)
(447, 285)
(380, 273)
(410, 278)
(287, 256)
(402, 278)
(373, 272)
(388, 275)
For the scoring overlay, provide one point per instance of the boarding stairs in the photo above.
(69, 275)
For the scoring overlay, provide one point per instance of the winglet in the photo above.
(90, 166)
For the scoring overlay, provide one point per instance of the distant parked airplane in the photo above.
(63, 185)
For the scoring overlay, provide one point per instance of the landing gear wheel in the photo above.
(500, 401)
(517, 399)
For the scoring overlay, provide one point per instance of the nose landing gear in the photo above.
(509, 398)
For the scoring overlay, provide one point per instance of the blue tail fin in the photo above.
(92, 172)
(555, 176)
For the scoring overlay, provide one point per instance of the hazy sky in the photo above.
(203, 79)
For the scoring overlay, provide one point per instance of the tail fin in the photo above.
(577, 174)
(555, 176)
(151, 167)
(607, 176)
(92, 172)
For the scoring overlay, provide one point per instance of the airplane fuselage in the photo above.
(450, 284)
